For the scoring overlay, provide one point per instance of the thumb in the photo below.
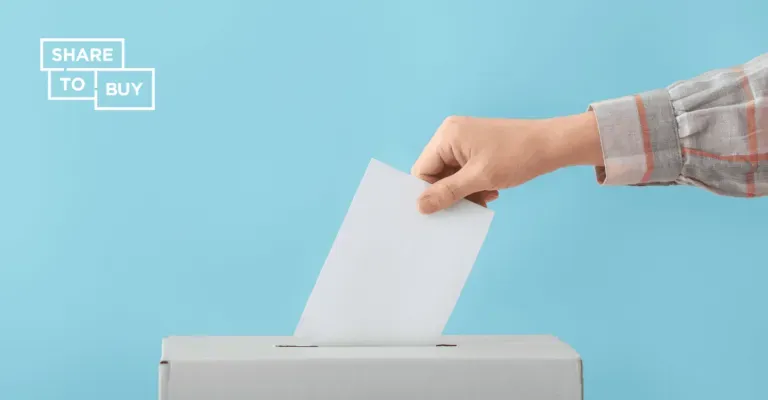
(447, 191)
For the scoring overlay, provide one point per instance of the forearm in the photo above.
(710, 131)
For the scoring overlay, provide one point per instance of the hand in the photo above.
(476, 157)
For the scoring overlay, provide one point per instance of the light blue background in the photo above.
(125, 80)
(213, 214)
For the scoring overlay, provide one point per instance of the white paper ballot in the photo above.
(393, 275)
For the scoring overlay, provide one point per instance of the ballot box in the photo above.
(537, 367)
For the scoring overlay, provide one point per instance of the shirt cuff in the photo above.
(639, 139)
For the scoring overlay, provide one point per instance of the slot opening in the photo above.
(312, 345)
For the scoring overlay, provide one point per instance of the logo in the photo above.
(94, 70)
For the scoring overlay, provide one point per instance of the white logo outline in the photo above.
(95, 71)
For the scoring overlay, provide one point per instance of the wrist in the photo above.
(575, 140)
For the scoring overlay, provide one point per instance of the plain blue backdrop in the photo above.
(213, 214)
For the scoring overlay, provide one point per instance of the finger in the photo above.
(482, 198)
(429, 163)
(436, 156)
(485, 196)
(447, 171)
(445, 192)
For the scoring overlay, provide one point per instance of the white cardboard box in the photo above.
(285, 368)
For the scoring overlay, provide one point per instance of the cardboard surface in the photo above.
(472, 367)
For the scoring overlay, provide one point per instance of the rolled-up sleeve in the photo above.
(710, 132)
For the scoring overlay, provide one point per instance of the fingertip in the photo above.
(427, 204)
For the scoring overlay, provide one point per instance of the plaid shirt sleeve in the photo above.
(710, 132)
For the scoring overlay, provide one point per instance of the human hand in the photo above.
(476, 157)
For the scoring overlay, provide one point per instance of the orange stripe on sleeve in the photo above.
(751, 133)
(647, 149)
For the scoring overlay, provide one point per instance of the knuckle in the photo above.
(452, 125)
(452, 120)
(452, 192)
(448, 191)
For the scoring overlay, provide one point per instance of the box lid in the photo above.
(236, 348)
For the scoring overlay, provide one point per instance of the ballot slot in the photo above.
(368, 345)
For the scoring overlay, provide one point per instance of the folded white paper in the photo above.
(393, 275)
